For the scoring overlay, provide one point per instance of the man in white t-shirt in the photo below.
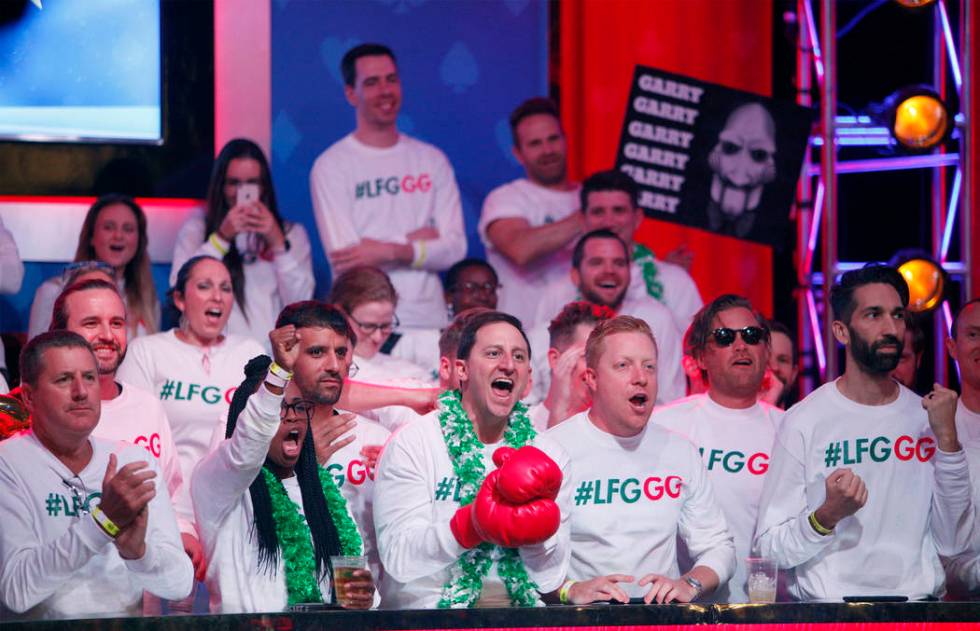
(348, 446)
(865, 487)
(384, 199)
(608, 200)
(529, 225)
(600, 274)
(963, 571)
(95, 310)
(473, 472)
(733, 429)
(637, 486)
(63, 555)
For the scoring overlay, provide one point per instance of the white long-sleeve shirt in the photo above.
(270, 285)
(963, 570)
(918, 499)
(137, 417)
(414, 501)
(11, 267)
(384, 194)
(55, 560)
(633, 497)
(193, 384)
(521, 286)
(735, 445)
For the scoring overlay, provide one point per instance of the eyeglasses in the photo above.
(368, 328)
(73, 270)
(80, 505)
(751, 335)
(469, 287)
(302, 407)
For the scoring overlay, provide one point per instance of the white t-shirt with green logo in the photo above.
(632, 497)
(194, 385)
(735, 446)
(918, 498)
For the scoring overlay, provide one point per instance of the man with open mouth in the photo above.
(270, 517)
(471, 503)
(731, 426)
(868, 483)
(636, 485)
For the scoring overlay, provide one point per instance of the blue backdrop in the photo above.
(464, 65)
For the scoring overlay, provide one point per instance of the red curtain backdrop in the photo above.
(722, 41)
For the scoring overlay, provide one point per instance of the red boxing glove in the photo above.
(526, 474)
(464, 529)
(510, 525)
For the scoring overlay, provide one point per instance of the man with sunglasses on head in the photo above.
(868, 483)
(734, 430)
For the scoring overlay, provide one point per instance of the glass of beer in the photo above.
(343, 574)
(763, 574)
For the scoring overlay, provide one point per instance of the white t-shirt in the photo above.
(11, 277)
(539, 414)
(633, 497)
(236, 582)
(137, 417)
(735, 446)
(194, 385)
(270, 284)
(963, 571)
(55, 560)
(521, 287)
(421, 348)
(918, 498)
(384, 194)
(414, 501)
(671, 383)
(355, 479)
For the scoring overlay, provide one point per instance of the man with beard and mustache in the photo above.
(528, 225)
(734, 430)
(348, 446)
(868, 483)
(95, 310)
(601, 275)
(472, 473)
(384, 199)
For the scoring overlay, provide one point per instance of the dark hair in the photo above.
(359, 285)
(468, 337)
(316, 314)
(326, 541)
(348, 65)
(959, 312)
(611, 180)
(531, 107)
(602, 233)
(449, 338)
(32, 354)
(141, 292)
(842, 293)
(218, 208)
(913, 324)
(452, 274)
(779, 327)
(562, 328)
(59, 314)
(698, 334)
(183, 275)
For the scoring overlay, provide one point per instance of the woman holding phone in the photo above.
(268, 258)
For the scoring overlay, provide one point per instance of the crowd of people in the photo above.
(563, 423)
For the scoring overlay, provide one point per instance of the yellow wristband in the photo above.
(821, 530)
(218, 244)
(420, 259)
(563, 592)
(104, 522)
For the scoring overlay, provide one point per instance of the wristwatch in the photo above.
(696, 584)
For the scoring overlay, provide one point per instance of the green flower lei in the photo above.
(644, 257)
(295, 540)
(466, 452)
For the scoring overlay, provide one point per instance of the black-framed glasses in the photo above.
(469, 287)
(370, 327)
(300, 407)
(751, 335)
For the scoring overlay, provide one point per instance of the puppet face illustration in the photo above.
(743, 159)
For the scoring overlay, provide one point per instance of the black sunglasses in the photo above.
(751, 335)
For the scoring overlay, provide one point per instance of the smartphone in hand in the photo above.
(247, 194)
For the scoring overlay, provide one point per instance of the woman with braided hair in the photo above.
(270, 518)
